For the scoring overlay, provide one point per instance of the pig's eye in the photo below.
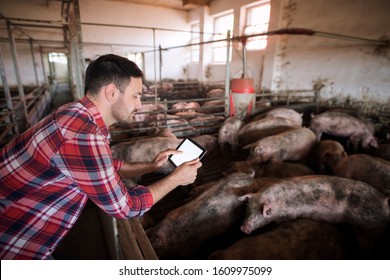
(258, 150)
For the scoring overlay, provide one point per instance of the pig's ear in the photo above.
(246, 197)
(374, 143)
(267, 209)
(249, 146)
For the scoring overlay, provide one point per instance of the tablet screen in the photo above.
(191, 150)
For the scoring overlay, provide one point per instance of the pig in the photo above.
(207, 121)
(164, 132)
(216, 93)
(287, 113)
(323, 198)
(383, 151)
(147, 114)
(291, 145)
(209, 142)
(284, 170)
(325, 155)
(175, 123)
(299, 239)
(211, 213)
(257, 130)
(185, 106)
(145, 150)
(228, 134)
(372, 170)
(359, 132)
(211, 107)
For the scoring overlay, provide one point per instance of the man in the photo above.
(48, 173)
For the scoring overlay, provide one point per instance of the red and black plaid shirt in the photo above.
(48, 173)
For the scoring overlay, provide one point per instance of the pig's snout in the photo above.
(246, 229)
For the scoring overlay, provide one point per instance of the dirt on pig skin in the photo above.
(287, 113)
(211, 213)
(291, 145)
(259, 129)
(300, 239)
(323, 198)
(359, 132)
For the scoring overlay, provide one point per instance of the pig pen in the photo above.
(333, 241)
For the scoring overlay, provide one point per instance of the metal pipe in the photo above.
(227, 75)
(7, 93)
(148, 28)
(244, 60)
(155, 66)
(289, 31)
(33, 60)
(17, 73)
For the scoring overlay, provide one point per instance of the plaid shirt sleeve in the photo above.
(117, 164)
(88, 161)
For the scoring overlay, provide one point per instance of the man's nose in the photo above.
(138, 106)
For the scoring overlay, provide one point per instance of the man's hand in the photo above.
(162, 158)
(186, 173)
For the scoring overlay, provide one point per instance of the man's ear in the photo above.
(111, 93)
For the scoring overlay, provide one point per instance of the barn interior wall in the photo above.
(345, 69)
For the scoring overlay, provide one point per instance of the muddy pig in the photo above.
(371, 170)
(212, 212)
(323, 198)
(228, 134)
(287, 113)
(300, 239)
(325, 155)
(359, 132)
(257, 130)
(291, 145)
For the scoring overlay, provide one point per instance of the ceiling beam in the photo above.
(196, 2)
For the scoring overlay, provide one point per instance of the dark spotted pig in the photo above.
(323, 198)
(211, 213)
(291, 145)
(257, 130)
(369, 169)
(359, 132)
(325, 155)
(300, 239)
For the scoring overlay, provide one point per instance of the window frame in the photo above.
(219, 49)
(258, 42)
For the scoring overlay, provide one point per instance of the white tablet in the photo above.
(191, 150)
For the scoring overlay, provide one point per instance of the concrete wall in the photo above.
(354, 71)
(348, 70)
(101, 39)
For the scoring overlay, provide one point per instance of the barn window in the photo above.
(221, 26)
(138, 58)
(257, 20)
(195, 39)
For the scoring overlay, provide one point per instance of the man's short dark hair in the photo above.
(107, 69)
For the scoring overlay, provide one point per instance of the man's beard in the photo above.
(120, 112)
